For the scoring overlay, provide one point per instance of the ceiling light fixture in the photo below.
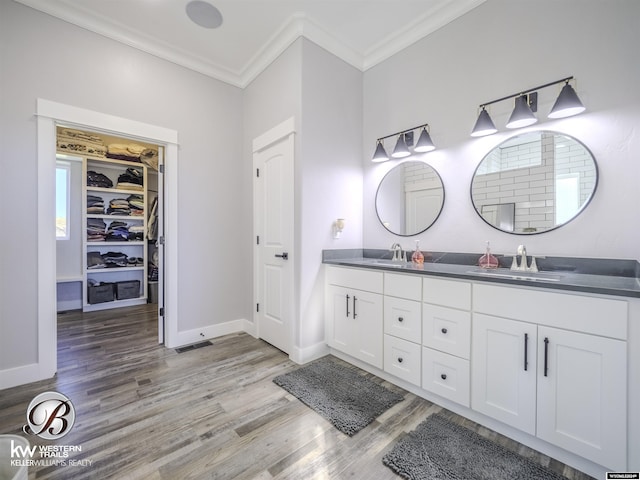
(204, 14)
(526, 103)
(405, 140)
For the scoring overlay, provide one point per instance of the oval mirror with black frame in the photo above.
(534, 182)
(409, 198)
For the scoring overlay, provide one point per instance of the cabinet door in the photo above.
(354, 323)
(338, 311)
(582, 395)
(366, 317)
(503, 375)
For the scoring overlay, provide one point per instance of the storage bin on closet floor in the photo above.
(101, 293)
(127, 289)
(8, 471)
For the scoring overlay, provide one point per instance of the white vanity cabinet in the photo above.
(353, 305)
(446, 338)
(402, 326)
(555, 366)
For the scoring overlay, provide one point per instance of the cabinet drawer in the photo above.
(358, 278)
(402, 359)
(447, 293)
(599, 316)
(445, 375)
(403, 286)
(402, 318)
(446, 329)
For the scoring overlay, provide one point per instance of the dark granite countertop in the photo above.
(600, 276)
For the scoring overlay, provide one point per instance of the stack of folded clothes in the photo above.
(76, 141)
(136, 232)
(95, 179)
(132, 179)
(129, 152)
(118, 206)
(114, 259)
(95, 205)
(96, 230)
(117, 232)
(136, 204)
(95, 261)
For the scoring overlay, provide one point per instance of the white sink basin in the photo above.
(515, 275)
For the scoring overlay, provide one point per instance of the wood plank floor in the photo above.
(146, 412)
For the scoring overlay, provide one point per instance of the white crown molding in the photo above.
(297, 26)
(421, 27)
(122, 34)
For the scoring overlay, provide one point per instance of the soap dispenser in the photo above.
(417, 257)
(487, 260)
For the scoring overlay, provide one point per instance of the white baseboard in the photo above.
(307, 354)
(12, 377)
(188, 337)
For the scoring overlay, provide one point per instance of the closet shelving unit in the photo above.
(113, 169)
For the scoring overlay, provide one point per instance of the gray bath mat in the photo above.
(439, 449)
(338, 393)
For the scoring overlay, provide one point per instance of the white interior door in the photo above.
(274, 224)
(160, 244)
(422, 208)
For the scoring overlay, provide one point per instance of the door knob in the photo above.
(284, 256)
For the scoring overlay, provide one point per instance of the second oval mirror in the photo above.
(409, 198)
(534, 182)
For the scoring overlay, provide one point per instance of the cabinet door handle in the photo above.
(444, 330)
(354, 307)
(546, 355)
(400, 360)
(347, 305)
(283, 255)
(401, 319)
(526, 344)
(443, 376)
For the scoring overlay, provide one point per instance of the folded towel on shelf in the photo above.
(149, 157)
(80, 146)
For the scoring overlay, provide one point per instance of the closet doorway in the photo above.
(49, 116)
(109, 229)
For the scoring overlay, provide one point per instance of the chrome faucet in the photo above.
(398, 254)
(522, 266)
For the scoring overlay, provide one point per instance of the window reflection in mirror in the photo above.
(409, 198)
(534, 182)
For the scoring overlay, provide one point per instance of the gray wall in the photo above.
(89, 71)
(324, 95)
(499, 48)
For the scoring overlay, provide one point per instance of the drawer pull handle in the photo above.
(401, 319)
(444, 330)
(443, 376)
(400, 359)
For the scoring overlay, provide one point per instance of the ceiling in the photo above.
(254, 32)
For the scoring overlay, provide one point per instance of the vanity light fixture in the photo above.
(405, 140)
(381, 154)
(401, 150)
(526, 102)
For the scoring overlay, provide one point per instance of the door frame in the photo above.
(49, 114)
(274, 135)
